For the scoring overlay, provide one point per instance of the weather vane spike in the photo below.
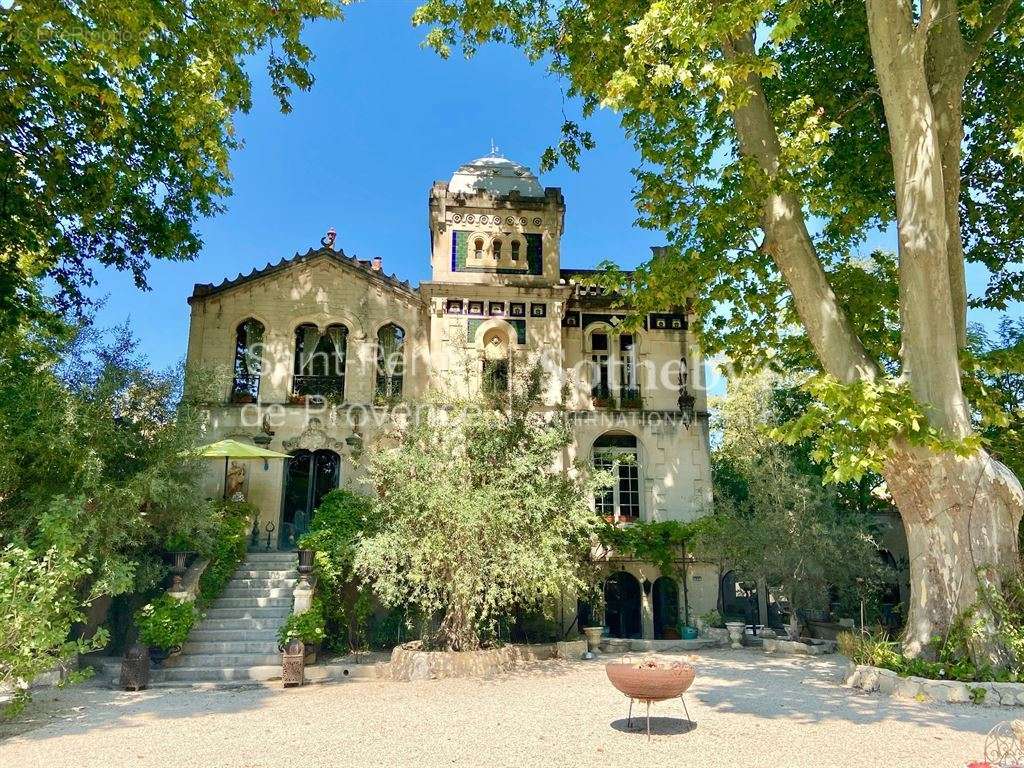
(494, 149)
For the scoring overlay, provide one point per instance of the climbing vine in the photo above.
(661, 543)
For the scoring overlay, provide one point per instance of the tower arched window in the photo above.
(478, 248)
(618, 455)
(248, 363)
(515, 250)
(320, 360)
(390, 362)
(496, 250)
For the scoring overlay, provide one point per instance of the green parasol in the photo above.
(233, 449)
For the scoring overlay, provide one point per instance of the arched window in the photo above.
(320, 360)
(618, 455)
(478, 248)
(390, 363)
(495, 372)
(515, 250)
(496, 250)
(248, 365)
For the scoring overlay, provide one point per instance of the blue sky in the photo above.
(359, 153)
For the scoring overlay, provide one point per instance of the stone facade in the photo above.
(497, 293)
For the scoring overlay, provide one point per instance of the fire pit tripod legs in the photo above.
(629, 717)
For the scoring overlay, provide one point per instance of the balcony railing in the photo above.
(319, 386)
(603, 397)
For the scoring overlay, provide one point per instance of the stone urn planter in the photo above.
(593, 635)
(736, 629)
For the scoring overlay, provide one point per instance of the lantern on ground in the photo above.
(135, 668)
(293, 663)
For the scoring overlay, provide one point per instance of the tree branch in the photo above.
(840, 351)
(994, 19)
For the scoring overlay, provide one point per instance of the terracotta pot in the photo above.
(651, 680)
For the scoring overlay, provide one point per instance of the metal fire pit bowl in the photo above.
(649, 681)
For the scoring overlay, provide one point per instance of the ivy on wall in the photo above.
(661, 543)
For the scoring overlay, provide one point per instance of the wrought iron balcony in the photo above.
(322, 386)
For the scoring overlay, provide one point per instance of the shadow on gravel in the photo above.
(810, 690)
(660, 726)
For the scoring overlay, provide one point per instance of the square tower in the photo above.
(494, 224)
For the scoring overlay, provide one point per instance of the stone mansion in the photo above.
(326, 327)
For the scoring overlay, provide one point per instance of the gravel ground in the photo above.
(750, 710)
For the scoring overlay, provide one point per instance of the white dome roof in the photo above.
(497, 175)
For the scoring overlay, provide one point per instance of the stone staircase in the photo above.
(237, 639)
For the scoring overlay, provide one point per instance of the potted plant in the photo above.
(631, 400)
(308, 626)
(595, 598)
(164, 625)
(294, 399)
(242, 398)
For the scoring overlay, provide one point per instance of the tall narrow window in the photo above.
(618, 455)
(496, 250)
(248, 365)
(515, 250)
(390, 363)
(495, 377)
(320, 360)
(478, 248)
(600, 385)
(629, 383)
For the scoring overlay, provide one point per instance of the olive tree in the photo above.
(476, 515)
(774, 136)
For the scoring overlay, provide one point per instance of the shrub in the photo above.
(227, 548)
(165, 622)
(952, 661)
(713, 618)
(307, 627)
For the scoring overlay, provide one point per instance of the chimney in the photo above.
(375, 263)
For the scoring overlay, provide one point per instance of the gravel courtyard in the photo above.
(750, 710)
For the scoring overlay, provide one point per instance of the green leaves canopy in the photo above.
(116, 127)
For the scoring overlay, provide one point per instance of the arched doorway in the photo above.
(309, 476)
(665, 595)
(739, 599)
(622, 605)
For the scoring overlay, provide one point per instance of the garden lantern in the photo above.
(293, 663)
(135, 668)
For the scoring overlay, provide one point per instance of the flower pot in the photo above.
(593, 635)
(689, 633)
(736, 629)
(157, 656)
(305, 563)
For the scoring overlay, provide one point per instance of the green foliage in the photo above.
(40, 605)
(952, 661)
(713, 618)
(307, 627)
(227, 547)
(474, 520)
(92, 476)
(119, 126)
(854, 427)
(661, 543)
(166, 622)
(337, 524)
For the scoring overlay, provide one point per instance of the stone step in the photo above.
(261, 561)
(245, 572)
(243, 612)
(212, 674)
(231, 660)
(202, 635)
(266, 592)
(261, 584)
(240, 623)
(230, 646)
(252, 601)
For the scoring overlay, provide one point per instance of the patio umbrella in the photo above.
(233, 449)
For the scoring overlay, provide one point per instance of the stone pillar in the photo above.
(646, 611)
(302, 596)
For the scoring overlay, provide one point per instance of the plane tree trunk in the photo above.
(961, 516)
